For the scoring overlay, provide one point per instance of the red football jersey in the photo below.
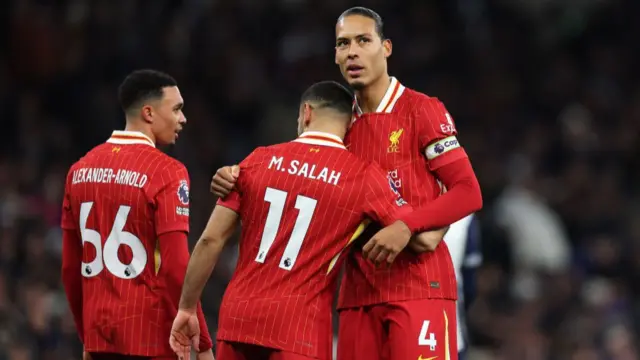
(410, 135)
(120, 197)
(301, 203)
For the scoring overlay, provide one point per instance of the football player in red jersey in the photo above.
(411, 306)
(125, 219)
(408, 310)
(300, 204)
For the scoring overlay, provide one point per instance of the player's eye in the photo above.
(341, 43)
(363, 40)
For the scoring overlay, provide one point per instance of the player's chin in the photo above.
(357, 84)
(168, 140)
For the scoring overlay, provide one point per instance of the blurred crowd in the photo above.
(544, 93)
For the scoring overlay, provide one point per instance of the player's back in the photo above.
(301, 203)
(111, 201)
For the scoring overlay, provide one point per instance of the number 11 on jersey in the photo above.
(306, 207)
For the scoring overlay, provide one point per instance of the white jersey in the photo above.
(463, 242)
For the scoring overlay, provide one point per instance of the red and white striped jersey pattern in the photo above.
(410, 135)
(300, 204)
(119, 197)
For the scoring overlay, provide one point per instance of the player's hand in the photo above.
(387, 243)
(224, 180)
(185, 333)
(426, 241)
(205, 355)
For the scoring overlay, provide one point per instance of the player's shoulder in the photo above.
(168, 162)
(356, 161)
(420, 108)
(338, 153)
(168, 168)
(96, 151)
(417, 100)
(155, 162)
(257, 156)
(75, 166)
(266, 153)
(89, 157)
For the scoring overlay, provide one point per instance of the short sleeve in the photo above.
(382, 202)
(67, 220)
(437, 134)
(172, 201)
(231, 201)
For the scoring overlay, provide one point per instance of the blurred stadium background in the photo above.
(545, 95)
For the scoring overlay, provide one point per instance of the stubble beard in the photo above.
(357, 85)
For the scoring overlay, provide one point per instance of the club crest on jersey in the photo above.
(183, 192)
(394, 141)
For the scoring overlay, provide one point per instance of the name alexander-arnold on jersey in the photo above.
(109, 176)
(309, 171)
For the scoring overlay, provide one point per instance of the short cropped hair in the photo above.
(329, 94)
(141, 86)
(368, 13)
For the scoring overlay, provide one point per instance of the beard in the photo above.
(357, 85)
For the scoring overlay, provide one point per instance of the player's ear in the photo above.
(147, 113)
(387, 47)
(306, 114)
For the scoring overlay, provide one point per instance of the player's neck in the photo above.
(328, 129)
(371, 96)
(141, 128)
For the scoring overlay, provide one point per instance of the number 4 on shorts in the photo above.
(427, 338)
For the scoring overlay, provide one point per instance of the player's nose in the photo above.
(353, 50)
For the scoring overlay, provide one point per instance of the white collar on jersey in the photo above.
(320, 138)
(394, 91)
(129, 137)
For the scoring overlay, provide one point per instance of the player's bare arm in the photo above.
(224, 180)
(423, 242)
(71, 262)
(186, 328)
(219, 229)
(387, 243)
(427, 241)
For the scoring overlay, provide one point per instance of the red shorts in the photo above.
(241, 351)
(414, 329)
(111, 356)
